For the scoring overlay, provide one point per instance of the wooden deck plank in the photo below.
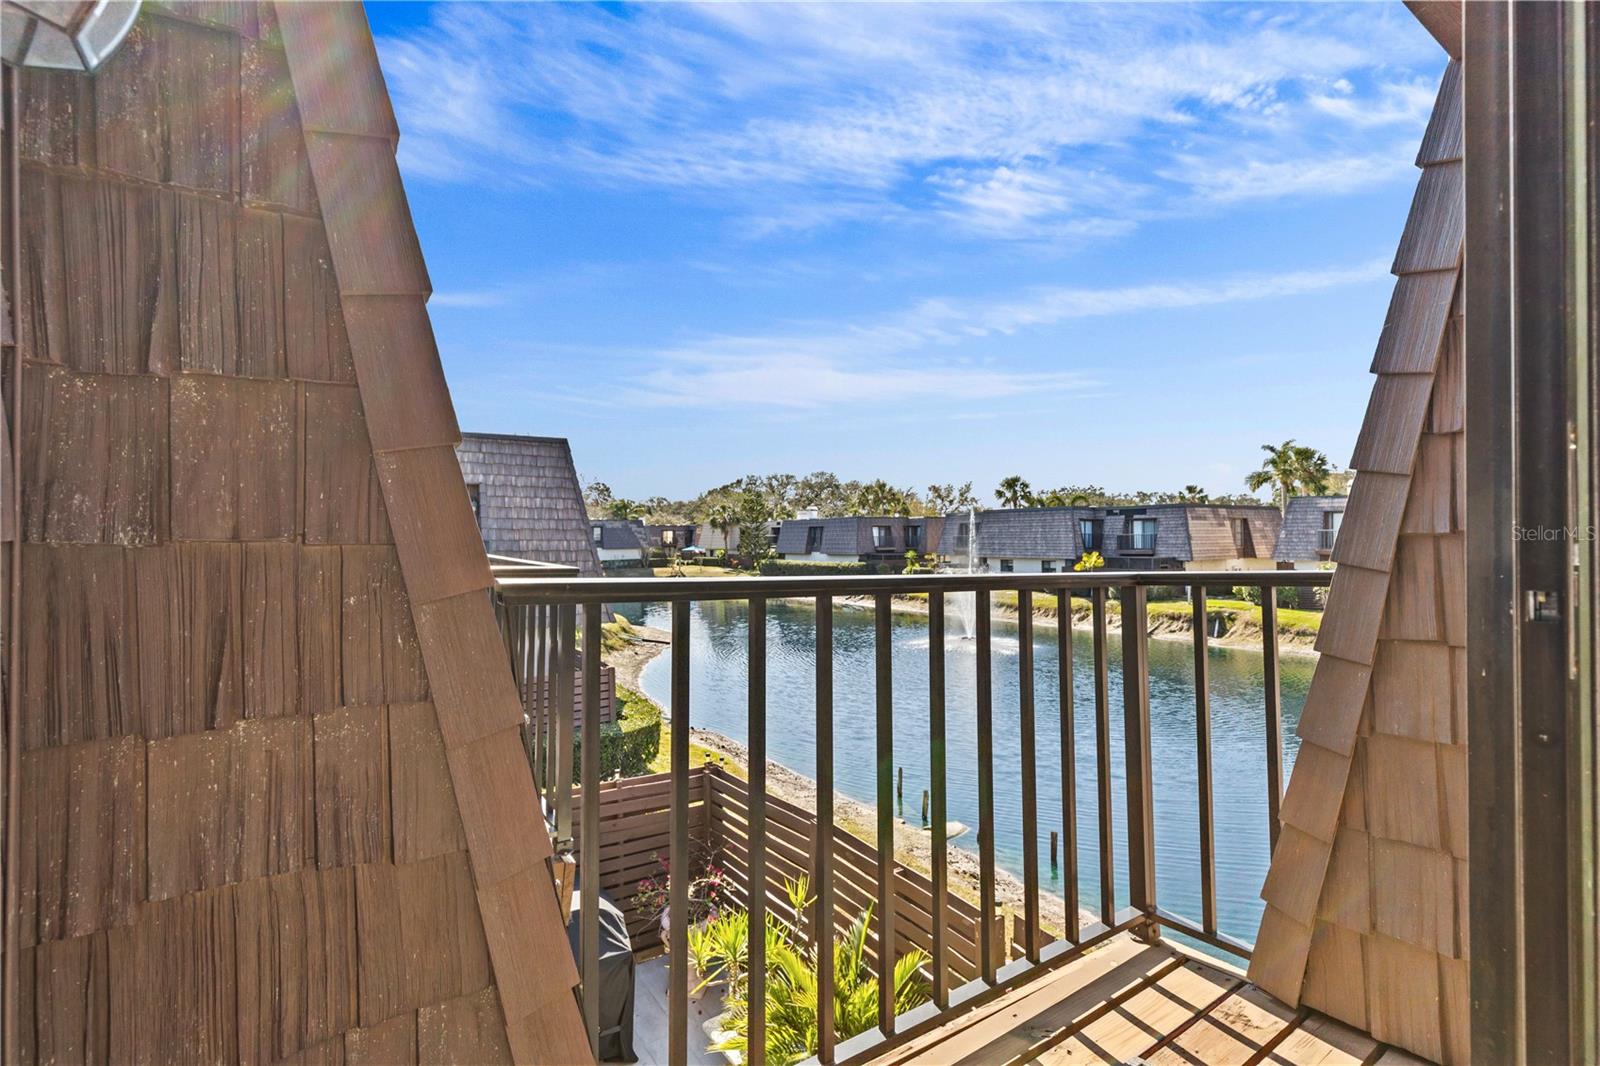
(1153, 1003)
(1231, 1034)
(1321, 1041)
(1144, 1018)
(1053, 1001)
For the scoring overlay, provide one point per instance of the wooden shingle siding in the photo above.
(343, 500)
(1437, 223)
(273, 168)
(352, 786)
(297, 962)
(381, 655)
(94, 452)
(235, 459)
(172, 982)
(476, 696)
(1387, 945)
(1409, 343)
(1388, 440)
(241, 839)
(421, 940)
(56, 124)
(1366, 537)
(82, 838)
(101, 262)
(467, 1029)
(439, 545)
(368, 221)
(80, 678)
(64, 1001)
(426, 818)
(227, 806)
(407, 405)
(158, 115)
(1442, 142)
(317, 342)
(390, 1043)
(340, 91)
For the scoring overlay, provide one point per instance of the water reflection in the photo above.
(718, 702)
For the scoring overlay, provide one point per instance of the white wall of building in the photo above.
(611, 555)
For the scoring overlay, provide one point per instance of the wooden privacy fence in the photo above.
(635, 821)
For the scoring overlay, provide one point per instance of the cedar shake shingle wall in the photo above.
(1366, 913)
(261, 681)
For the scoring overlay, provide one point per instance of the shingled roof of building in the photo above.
(529, 501)
(1300, 536)
(617, 534)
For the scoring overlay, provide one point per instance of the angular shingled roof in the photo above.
(530, 504)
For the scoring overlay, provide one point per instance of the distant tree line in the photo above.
(754, 501)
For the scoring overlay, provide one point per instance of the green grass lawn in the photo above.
(698, 756)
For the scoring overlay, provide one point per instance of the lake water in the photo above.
(719, 670)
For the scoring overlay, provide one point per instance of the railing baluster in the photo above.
(936, 786)
(1030, 796)
(885, 730)
(589, 837)
(1136, 741)
(987, 952)
(530, 731)
(1069, 764)
(1102, 756)
(1269, 682)
(566, 639)
(1202, 747)
(756, 975)
(678, 846)
(823, 924)
(536, 702)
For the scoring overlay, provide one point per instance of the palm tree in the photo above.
(1194, 494)
(627, 510)
(722, 517)
(1292, 470)
(1014, 491)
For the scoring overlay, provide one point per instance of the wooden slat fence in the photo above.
(634, 819)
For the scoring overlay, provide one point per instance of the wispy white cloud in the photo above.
(897, 357)
(1003, 121)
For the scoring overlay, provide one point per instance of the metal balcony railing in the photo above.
(542, 616)
(1136, 542)
(1325, 539)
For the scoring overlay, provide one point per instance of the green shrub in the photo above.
(1287, 597)
(801, 568)
(630, 744)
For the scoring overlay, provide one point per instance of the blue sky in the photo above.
(1122, 245)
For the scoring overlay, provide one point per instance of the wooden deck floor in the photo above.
(1133, 1002)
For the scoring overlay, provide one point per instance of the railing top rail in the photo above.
(504, 566)
(531, 589)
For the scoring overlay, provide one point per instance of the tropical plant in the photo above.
(1194, 494)
(1014, 492)
(626, 510)
(948, 499)
(791, 1000)
(722, 517)
(1291, 470)
(881, 498)
(1091, 560)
